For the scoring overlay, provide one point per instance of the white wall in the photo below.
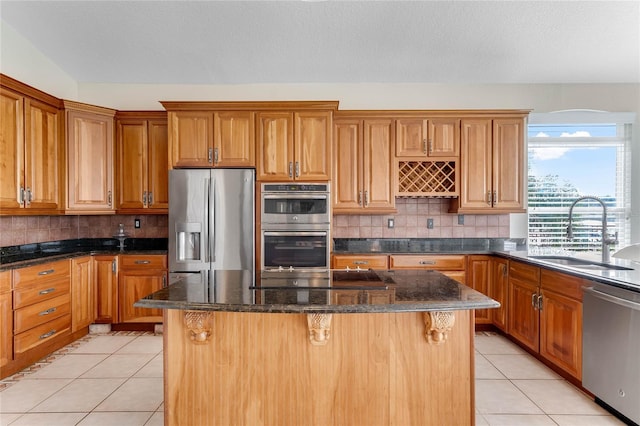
(20, 60)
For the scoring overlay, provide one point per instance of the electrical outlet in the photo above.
(391, 223)
(136, 223)
(460, 219)
(429, 223)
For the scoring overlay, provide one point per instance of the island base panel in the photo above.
(261, 369)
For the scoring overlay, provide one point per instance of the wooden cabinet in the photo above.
(140, 276)
(208, 139)
(499, 291)
(90, 153)
(106, 279)
(492, 166)
(83, 293)
(348, 261)
(524, 282)
(478, 278)
(31, 160)
(142, 163)
(294, 146)
(363, 178)
(422, 137)
(453, 266)
(6, 318)
(41, 303)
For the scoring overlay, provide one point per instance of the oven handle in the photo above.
(295, 233)
(295, 196)
(613, 299)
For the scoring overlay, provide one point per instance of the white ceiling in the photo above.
(237, 42)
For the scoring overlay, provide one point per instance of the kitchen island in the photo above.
(362, 348)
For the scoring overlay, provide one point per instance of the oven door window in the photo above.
(295, 205)
(297, 249)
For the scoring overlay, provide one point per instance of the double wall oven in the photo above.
(296, 227)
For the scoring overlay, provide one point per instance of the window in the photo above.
(575, 154)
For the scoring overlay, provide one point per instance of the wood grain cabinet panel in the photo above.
(422, 137)
(191, 138)
(524, 319)
(499, 291)
(106, 278)
(138, 277)
(234, 139)
(363, 179)
(343, 261)
(90, 155)
(6, 318)
(142, 166)
(478, 278)
(83, 293)
(275, 146)
(31, 160)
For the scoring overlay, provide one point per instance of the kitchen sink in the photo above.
(580, 263)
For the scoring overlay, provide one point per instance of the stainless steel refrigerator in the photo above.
(211, 227)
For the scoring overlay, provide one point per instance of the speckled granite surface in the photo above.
(404, 291)
(422, 245)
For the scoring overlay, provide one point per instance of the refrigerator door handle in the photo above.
(213, 205)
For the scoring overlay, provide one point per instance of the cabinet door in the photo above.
(444, 137)
(83, 293)
(6, 318)
(43, 157)
(133, 285)
(379, 178)
(191, 138)
(312, 146)
(343, 261)
(158, 165)
(11, 149)
(412, 137)
(106, 279)
(498, 290)
(522, 314)
(275, 146)
(478, 277)
(234, 141)
(347, 165)
(476, 161)
(132, 164)
(561, 332)
(508, 163)
(90, 161)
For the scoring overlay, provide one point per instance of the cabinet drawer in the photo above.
(5, 281)
(40, 313)
(362, 262)
(41, 334)
(25, 296)
(48, 271)
(437, 262)
(566, 285)
(524, 272)
(459, 276)
(140, 261)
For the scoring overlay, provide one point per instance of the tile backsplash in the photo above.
(411, 222)
(17, 230)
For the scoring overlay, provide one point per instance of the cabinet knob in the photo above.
(215, 155)
(142, 262)
(297, 169)
(290, 169)
(144, 198)
(427, 262)
(210, 155)
(109, 199)
(150, 198)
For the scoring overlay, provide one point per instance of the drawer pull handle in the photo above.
(47, 312)
(142, 262)
(49, 334)
(47, 272)
(427, 262)
(47, 291)
(360, 262)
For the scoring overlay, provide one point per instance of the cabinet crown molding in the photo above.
(79, 106)
(249, 105)
(433, 113)
(26, 90)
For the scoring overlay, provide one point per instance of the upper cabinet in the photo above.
(211, 139)
(31, 151)
(492, 166)
(294, 146)
(422, 137)
(142, 162)
(90, 152)
(363, 179)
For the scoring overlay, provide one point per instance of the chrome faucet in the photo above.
(606, 241)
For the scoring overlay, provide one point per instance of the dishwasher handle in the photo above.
(613, 299)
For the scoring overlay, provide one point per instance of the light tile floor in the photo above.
(116, 379)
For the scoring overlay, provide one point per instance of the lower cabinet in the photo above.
(349, 261)
(451, 265)
(524, 318)
(83, 293)
(499, 291)
(6, 319)
(140, 276)
(478, 278)
(105, 271)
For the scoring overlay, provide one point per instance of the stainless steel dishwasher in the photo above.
(611, 348)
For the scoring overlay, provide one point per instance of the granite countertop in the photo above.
(405, 291)
(14, 257)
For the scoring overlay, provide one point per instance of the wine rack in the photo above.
(427, 178)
